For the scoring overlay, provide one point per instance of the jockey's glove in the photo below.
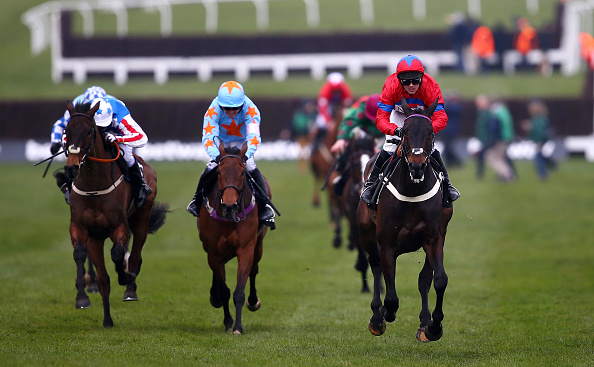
(110, 138)
(55, 147)
(398, 132)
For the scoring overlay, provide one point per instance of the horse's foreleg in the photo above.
(377, 324)
(253, 302)
(245, 258)
(80, 256)
(95, 249)
(440, 282)
(425, 279)
(335, 217)
(391, 301)
(219, 292)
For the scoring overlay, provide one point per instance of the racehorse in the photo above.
(322, 165)
(360, 149)
(228, 227)
(409, 216)
(101, 207)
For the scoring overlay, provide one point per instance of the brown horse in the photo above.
(322, 166)
(101, 207)
(409, 216)
(358, 152)
(228, 227)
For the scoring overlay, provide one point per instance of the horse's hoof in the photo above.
(421, 336)
(83, 303)
(377, 331)
(337, 242)
(108, 323)
(237, 332)
(130, 296)
(255, 307)
(228, 324)
(434, 334)
(92, 288)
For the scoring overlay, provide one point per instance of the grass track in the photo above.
(518, 256)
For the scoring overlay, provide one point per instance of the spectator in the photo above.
(460, 36)
(303, 120)
(483, 46)
(539, 131)
(500, 135)
(526, 40)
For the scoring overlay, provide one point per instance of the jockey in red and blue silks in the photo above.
(232, 119)
(420, 90)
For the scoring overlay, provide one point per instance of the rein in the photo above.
(243, 212)
(104, 160)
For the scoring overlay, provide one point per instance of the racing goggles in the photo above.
(414, 81)
(231, 108)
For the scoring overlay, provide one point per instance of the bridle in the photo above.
(242, 211)
(76, 150)
(419, 150)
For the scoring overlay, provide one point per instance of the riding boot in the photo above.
(319, 138)
(265, 211)
(140, 190)
(369, 186)
(343, 174)
(193, 207)
(453, 193)
(64, 184)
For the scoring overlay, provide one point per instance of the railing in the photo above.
(44, 22)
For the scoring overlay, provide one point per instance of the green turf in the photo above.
(518, 256)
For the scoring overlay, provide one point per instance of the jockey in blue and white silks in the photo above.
(232, 119)
(58, 128)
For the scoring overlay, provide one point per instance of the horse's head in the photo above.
(81, 133)
(231, 176)
(417, 139)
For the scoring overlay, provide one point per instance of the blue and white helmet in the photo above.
(231, 94)
(93, 92)
(104, 113)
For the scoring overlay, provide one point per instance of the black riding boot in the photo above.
(319, 139)
(140, 190)
(265, 212)
(453, 193)
(64, 184)
(193, 208)
(368, 189)
(343, 174)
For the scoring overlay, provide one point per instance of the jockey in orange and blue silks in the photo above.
(232, 119)
(420, 90)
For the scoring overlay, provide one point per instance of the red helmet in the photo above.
(371, 106)
(410, 64)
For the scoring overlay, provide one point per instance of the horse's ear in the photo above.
(431, 109)
(70, 107)
(222, 148)
(93, 110)
(244, 149)
(405, 107)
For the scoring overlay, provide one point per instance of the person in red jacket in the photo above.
(420, 90)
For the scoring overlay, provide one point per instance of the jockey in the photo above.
(335, 93)
(58, 129)
(420, 90)
(120, 127)
(233, 119)
(361, 116)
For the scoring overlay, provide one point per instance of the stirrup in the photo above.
(367, 194)
(143, 193)
(453, 193)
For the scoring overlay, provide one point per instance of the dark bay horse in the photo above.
(322, 165)
(358, 152)
(101, 207)
(409, 216)
(228, 227)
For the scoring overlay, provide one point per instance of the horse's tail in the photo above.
(158, 213)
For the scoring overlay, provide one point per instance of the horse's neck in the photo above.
(98, 175)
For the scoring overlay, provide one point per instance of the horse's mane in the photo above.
(82, 107)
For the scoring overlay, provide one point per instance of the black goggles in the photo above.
(231, 108)
(415, 81)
